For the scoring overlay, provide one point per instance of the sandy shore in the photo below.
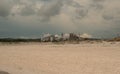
(83, 58)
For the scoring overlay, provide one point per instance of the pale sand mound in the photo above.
(60, 59)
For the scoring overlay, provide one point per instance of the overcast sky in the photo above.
(31, 18)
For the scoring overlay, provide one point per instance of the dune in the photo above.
(83, 58)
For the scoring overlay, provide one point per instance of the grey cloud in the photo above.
(111, 15)
(27, 10)
(98, 1)
(72, 3)
(80, 10)
(97, 4)
(5, 8)
(17, 1)
(49, 10)
(52, 8)
(55, 7)
(93, 16)
(46, 0)
(24, 2)
(81, 13)
(25, 7)
(108, 17)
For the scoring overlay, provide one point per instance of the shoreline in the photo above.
(51, 44)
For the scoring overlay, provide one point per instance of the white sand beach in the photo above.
(83, 58)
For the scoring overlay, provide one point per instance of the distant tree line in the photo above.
(19, 40)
